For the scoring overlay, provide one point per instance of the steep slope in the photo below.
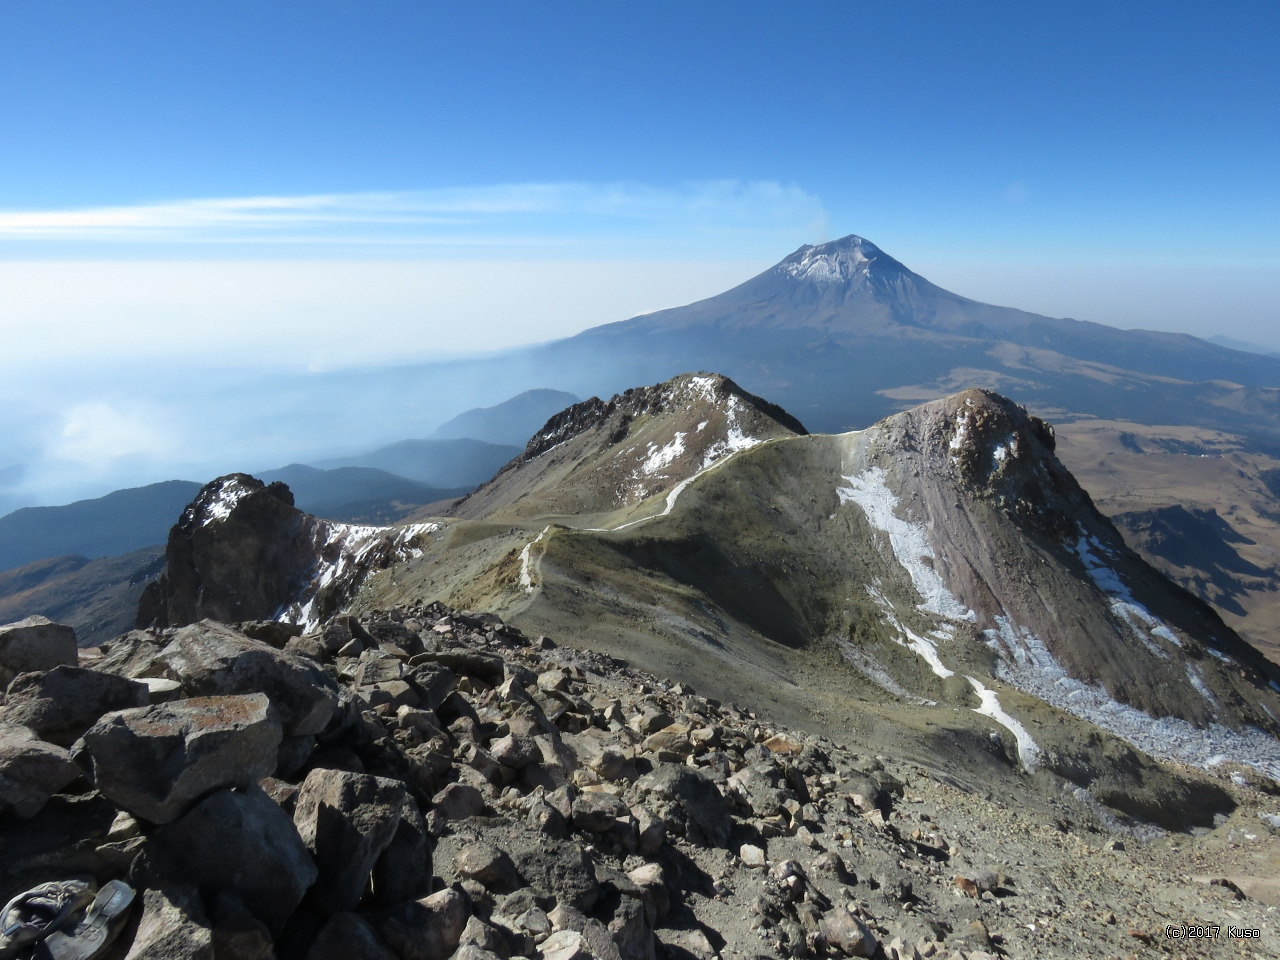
(599, 457)
(1198, 504)
(511, 422)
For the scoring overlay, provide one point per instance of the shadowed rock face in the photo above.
(237, 553)
(242, 551)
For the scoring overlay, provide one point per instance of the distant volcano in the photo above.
(843, 334)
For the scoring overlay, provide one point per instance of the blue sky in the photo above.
(234, 180)
(1001, 137)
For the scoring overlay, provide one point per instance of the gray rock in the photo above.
(244, 844)
(173, 926)
(35, 644)
(515, 752)
(848, 934)
(211, 659)
(566, 945)
(346, 820)
(596, 812)
(612, 764)
(155, 761)
(482, 937)
(458, 801)
(752, 856)
(62, 703)
(706, 816)
(651, 833)
(596, 937)
(562, 869)
(488, 866)
(130, 655)
(631, 928)
(240, 936)
(403, 870)
(349, 937)
(427, 929)
(31, 771)
(434, 682)
(485, 667)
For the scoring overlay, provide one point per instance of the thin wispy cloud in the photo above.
(534, 215)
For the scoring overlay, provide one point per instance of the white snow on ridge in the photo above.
(1027, 664)
(705, 387)
(229, 494)
(735, 441)
(354, 545)
(1028, 749)
(910, 544)
(827, 267)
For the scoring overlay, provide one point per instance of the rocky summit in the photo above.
(431, 783)
(681, 681)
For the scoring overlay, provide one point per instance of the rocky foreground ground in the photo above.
(427, 784)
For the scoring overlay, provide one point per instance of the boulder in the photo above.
(34, 644)
(156, 761)
(31, 771)
(349, 937)
(565, 945)
(62, 703)
(211, 659)
(403, 870)
(488, 866)
(516, 752)
(848, 934)
(346, 820)
(559, 868)
(597, 812)
(241, 843)
(703, 810)
(130, 654)
(173, 926)
(427, 929)
(458, 801)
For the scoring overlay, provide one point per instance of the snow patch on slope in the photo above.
(660, 459)
(826, 267)
(526, 577)
(874, 671)
(926, 649)
(1026, 663)
(1140, 621)
(1028, 749)
(736, 438)
(910, 544)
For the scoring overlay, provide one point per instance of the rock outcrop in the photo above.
(241, 551)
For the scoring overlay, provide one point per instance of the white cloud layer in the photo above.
(518, 216)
